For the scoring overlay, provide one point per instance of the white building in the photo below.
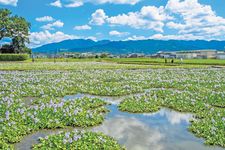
(220, 55)
(194, 54)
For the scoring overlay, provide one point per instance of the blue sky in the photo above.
(57, 20)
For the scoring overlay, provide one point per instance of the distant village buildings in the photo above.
(194, 54)
(189, 54)
(220, 55)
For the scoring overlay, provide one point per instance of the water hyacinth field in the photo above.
(89, 105)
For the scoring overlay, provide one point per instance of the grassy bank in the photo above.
(108, 63)
(140, 61)
(150, 61)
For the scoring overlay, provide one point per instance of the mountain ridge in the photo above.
(125, 47)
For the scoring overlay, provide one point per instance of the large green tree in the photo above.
(4, 23)
(16, 28)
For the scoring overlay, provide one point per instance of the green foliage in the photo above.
(16, 28)
(209, 121)
(5, 22)
(160, 61)
(13, 57)
(48, 113)
(78, 140)
(139, 104)
(4, 145)
(198, 91)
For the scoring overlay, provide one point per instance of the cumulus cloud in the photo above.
(57, 3)
(155, 13)
(78, 3)
(93, 38)
(9, 2)
(45, 19)
(75, 3)
(98, 17)
(130, 2)
(149, 17)
(187, 18)
(135, 38)
(83, 27)
(117, 33)
(45, 37)
(196, 19)
(51, 26)
(170, 37)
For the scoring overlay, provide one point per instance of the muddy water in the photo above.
(163, 130)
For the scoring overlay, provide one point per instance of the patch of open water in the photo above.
(163, 130)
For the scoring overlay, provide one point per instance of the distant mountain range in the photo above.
(124, 47)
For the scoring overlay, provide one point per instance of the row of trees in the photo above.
(17, 29)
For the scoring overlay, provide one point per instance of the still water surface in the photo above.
(163, 130)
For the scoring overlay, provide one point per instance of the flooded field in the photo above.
(162, 109)
(162, 130)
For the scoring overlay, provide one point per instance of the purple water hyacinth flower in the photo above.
(64, 141)
(67, 135)
(76, 137)
(70, 140)
(75, 112)
(21, 111)
(7, 115)
(223, 118)
(36, 120)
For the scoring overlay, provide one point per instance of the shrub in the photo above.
(13, 57)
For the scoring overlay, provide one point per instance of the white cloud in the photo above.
(78, 3)
(176, 37)
(9, 2)
(169, 37)
(174, 25)
(196, 19)
(138, 20)
(75, 3)
(45, 19)
(98, 17)
(135, 37)
(45, 37)
(117, 33)
(57, 3)
(83, 27)
(130, 2)
(187, 18)
(93, 38)
(132, 19)
(149, 17)
(155, 13)
(51, 26)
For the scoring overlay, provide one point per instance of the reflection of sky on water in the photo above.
(31, 139)
(164, 130)
(132, 133)
(175, 117)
